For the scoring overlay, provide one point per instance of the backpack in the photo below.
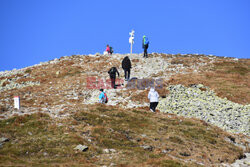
(105, 98)
(111, 49)
(146, 41)
(112, 70)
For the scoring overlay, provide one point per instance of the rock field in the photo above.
(205, 105)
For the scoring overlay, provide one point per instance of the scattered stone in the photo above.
(205, 105)
(164, 151)
(185, 154)
(148, 148)
(112, 150)
(107, 151)
(167, 150)
(244, 162)
(138, 139)
(4, 139)
(57, 73)
(81, 148)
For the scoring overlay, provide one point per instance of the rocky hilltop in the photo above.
(204, 100)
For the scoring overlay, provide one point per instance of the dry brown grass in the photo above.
(3, 109)
(186, 61)
(227, 78)
(135, 60)
(114, 128)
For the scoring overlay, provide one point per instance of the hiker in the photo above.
(153, 97)
(103, 97)
(112, 73)
(126, 65)
(145, 44)
(109, 50)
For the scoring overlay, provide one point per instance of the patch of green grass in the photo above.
(156, 156)
(28, 71)
(121, 115)
(187, 123)
(170, 163)
(135, 122)
(33, 137)
(90, 118)
(113, 139)
(21, 125)
(103, 109)
(117, 143)
(136, 111)
(72, 72)
(200, 135)
(233, 67)
(176, 139)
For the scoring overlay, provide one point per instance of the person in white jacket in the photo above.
(153, 96)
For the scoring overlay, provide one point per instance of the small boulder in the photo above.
(4, 139)
(149, 148)
(81, 147)
(58, 73)
(108, 151)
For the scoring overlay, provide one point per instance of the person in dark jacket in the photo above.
(126, 65)
(112, 73)
(145, 44)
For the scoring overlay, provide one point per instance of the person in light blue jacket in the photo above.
(101, 96)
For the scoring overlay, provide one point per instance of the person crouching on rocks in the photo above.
(112, 73)
(103, 97)
(153, 96)
(126, 65)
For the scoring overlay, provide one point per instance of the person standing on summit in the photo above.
(145, 43)
(109, 50)
(126, 65)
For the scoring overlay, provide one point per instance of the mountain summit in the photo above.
(202, 118)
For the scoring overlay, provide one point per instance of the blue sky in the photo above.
(34, 31)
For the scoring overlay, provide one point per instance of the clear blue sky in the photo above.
(34, 31)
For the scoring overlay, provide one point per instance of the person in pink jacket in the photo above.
(108, 49)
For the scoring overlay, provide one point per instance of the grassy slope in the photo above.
(37, 139)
